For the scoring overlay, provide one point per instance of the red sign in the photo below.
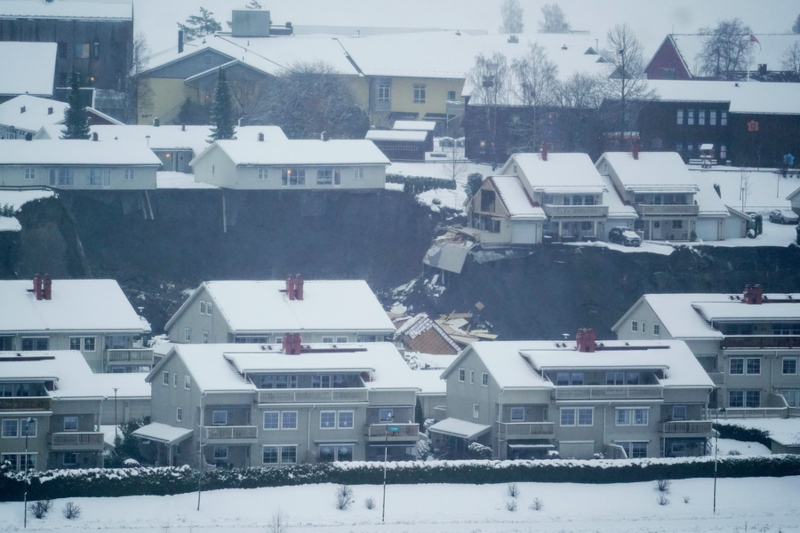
(752, 125)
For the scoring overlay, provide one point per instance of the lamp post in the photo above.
(116, 420)
(716, 455)
(28, 423)
(385, 459)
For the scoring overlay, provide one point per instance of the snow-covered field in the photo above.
(758, 504)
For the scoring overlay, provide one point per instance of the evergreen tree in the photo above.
(76, 121)
(222, 110)
(200, 25)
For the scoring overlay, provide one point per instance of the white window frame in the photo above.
(70, 459)
(127, 174)
(577, 412)
(283, 421)
(175, 380)
(24, 428)
(205, 337)
(339, 423)
(11, 422)
(747, 362)
(179, 414)
(476, 410)
(635, 325)
(71, 423)
(384, 93)
(740, 361)
(331, 415)
(462, 375)
(679, 117)
(277, 416)
(485, 379)
(187, 381)
(793, 361)
(420, 93)
(656, 330)
(86, 347)
(202, 307)
(471, 377)
(632, 416)
(676, 410)
(165, 378)
(218, 448)
(520, 414)
(219, 418)
(386, 415)
(187, 334)
(30, 173)
(263, 173)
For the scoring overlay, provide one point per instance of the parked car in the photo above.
(624, 236)
(783, 216)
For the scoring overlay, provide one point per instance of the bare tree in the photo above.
(791, 59)
(136, 92)
(535, 86)
(489, 79)
(246, 96)
(512, 17)
(726, 49)
(796, 25)
(581, 91)
(627, 85)
(554, 19)
(579, 101)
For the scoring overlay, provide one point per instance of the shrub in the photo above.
(663, 485)
(418, 184)
(71, 511)
(277, 523)
(344, 497)
(41, 508)
(479, 451)
(511, 505)
(537, 504)
(686, 499)
(732, 431)
(513, 490)
(734, 452)
(369, 503)
(662, 499)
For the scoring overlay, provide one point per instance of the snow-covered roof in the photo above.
(429, 381)
(68, 9)
(131, 385)
(300, 152)
(414, 125)
(263, 306)
(460, 428)
(18, 77)
(67, 367)
(76, 305)
(517, 364)
(651, 172)
(516, 199)
(559, 173)
(738, 311)
(76, 152)
(709, 203)
(744, 97)
(37, 113)
(396, 135)
(617, 209)
(162, 433)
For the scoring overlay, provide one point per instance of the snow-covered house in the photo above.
(661, 189)
(794, 198)
(583, 398)
(325, 311)
(92, 316)
(50, 407)
(272, 405)
(354, 164)
(25, 115)
(77, 165)
(19, 78)
(503, 212)
(420, 333)
(748, 343)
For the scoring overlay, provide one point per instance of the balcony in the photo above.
(230, 434)
(138, 356)
(667, 210)
(687, 428)
(348, 395)
(752, 412)
(601, 392)
(750, 342)
(525, 430)
(576, 211)
(405, 432)
(77, 441)
(25, 404)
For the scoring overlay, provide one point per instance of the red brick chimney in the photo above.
(37, 286)
(753, 295)
(586, 340)
(48, 287)
(544, 151)
(290, 287)
(292, 344)
(635, 150)
(298, 287)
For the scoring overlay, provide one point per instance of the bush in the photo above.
(277, 523)
(344, 497)
(71, 511)
(369, 503)
(662, 499)
(513, 490)
(478, 450)
(686, 499)
(537, 504)
(418, 184)
(41, 508)
(511, 505)
(732, 431)
(663, 485)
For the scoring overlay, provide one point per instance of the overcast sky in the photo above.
(651, 19)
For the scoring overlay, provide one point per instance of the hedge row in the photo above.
(163, 481)
(418, 184)
(732, 431)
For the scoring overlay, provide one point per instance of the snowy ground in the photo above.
(761, 504)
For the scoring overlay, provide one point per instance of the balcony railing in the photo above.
(78, 440)
(379, 432)
(313, 395)
(609, 392)
(688, 426)
(25, 404)
(761, 341)
(751, 412)
(575, 210)
(667, 210)
(229, 433)
(130, 355)
(521, 430)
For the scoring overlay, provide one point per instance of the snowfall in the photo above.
(760, 504)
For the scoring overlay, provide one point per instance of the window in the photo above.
(790, 365)
(419, 94)
(635, 450)
(569, 378)
(89, 344)
(644, 328)
(360, 173)
(485, 379)
(476, 410)
(340, 340)
(346, 420)
(271, 420)
(712, 117)
(74, 343)
(165, 377)
(679, 118)
(487, 200)
(471, 377)
(219, 418)
(335, 452)
(656, 330)
(637, 416)
(10, 428)
(262, 174)
(384, 93)
(127, 174)
(321, 381)
(517, 414)
(677, 224)
(70, 423)
(30, 344)
(273, 455)
(70, 458)
(209, 308)
(205, 337)
(615, 378)
(581, 416)
(667, 73)
(750, 366)
(327, 419)
(385, 415)
(366, 338)
(324, 176)
(99, 177)
(187, 382)
(27, 427)
(19, 461)
(327, 340)
(723, 151)
(744, 398)
(690, 117)
(187, 334)
(736, 366)
(792, 396)
(451, 95)
(754, 365)
(701, 117)
(269, 455)
(179, 414)
(462, 375)
(634, 325)
(288, 454)
(81, 51)
(175, 380)
(679, 412)
(723, 118)
(202, 308)
(293, 176)
(289, 420)
(220, 452)
(337, 177)
(30, 173)
(62, 176)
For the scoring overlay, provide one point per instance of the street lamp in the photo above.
(116, 420)
(28, 424)
(389, 429)
(716, 455)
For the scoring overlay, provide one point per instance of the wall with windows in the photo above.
(108, 177)
(642, 324)
(200, 322)
(423, 95)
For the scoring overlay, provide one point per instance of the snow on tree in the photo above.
(222, 110)
(511, 12)
(254, 5)
(555, 21)
(200, 25)
(726, 49)
(76, 120)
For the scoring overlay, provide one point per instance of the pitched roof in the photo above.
(652, 171)
(76, 152)
(68, 9)
(37, 112)
(258, 306)
(516, 200)
(67, 367)
(300, 152)
(744, 97)
(396, 135)
(560, 172)
(414, 125)
(422, 334)
(18, 77)
(76, 305)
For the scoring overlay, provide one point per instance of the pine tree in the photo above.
(200, 25)
(222, 110)
(76, 120)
